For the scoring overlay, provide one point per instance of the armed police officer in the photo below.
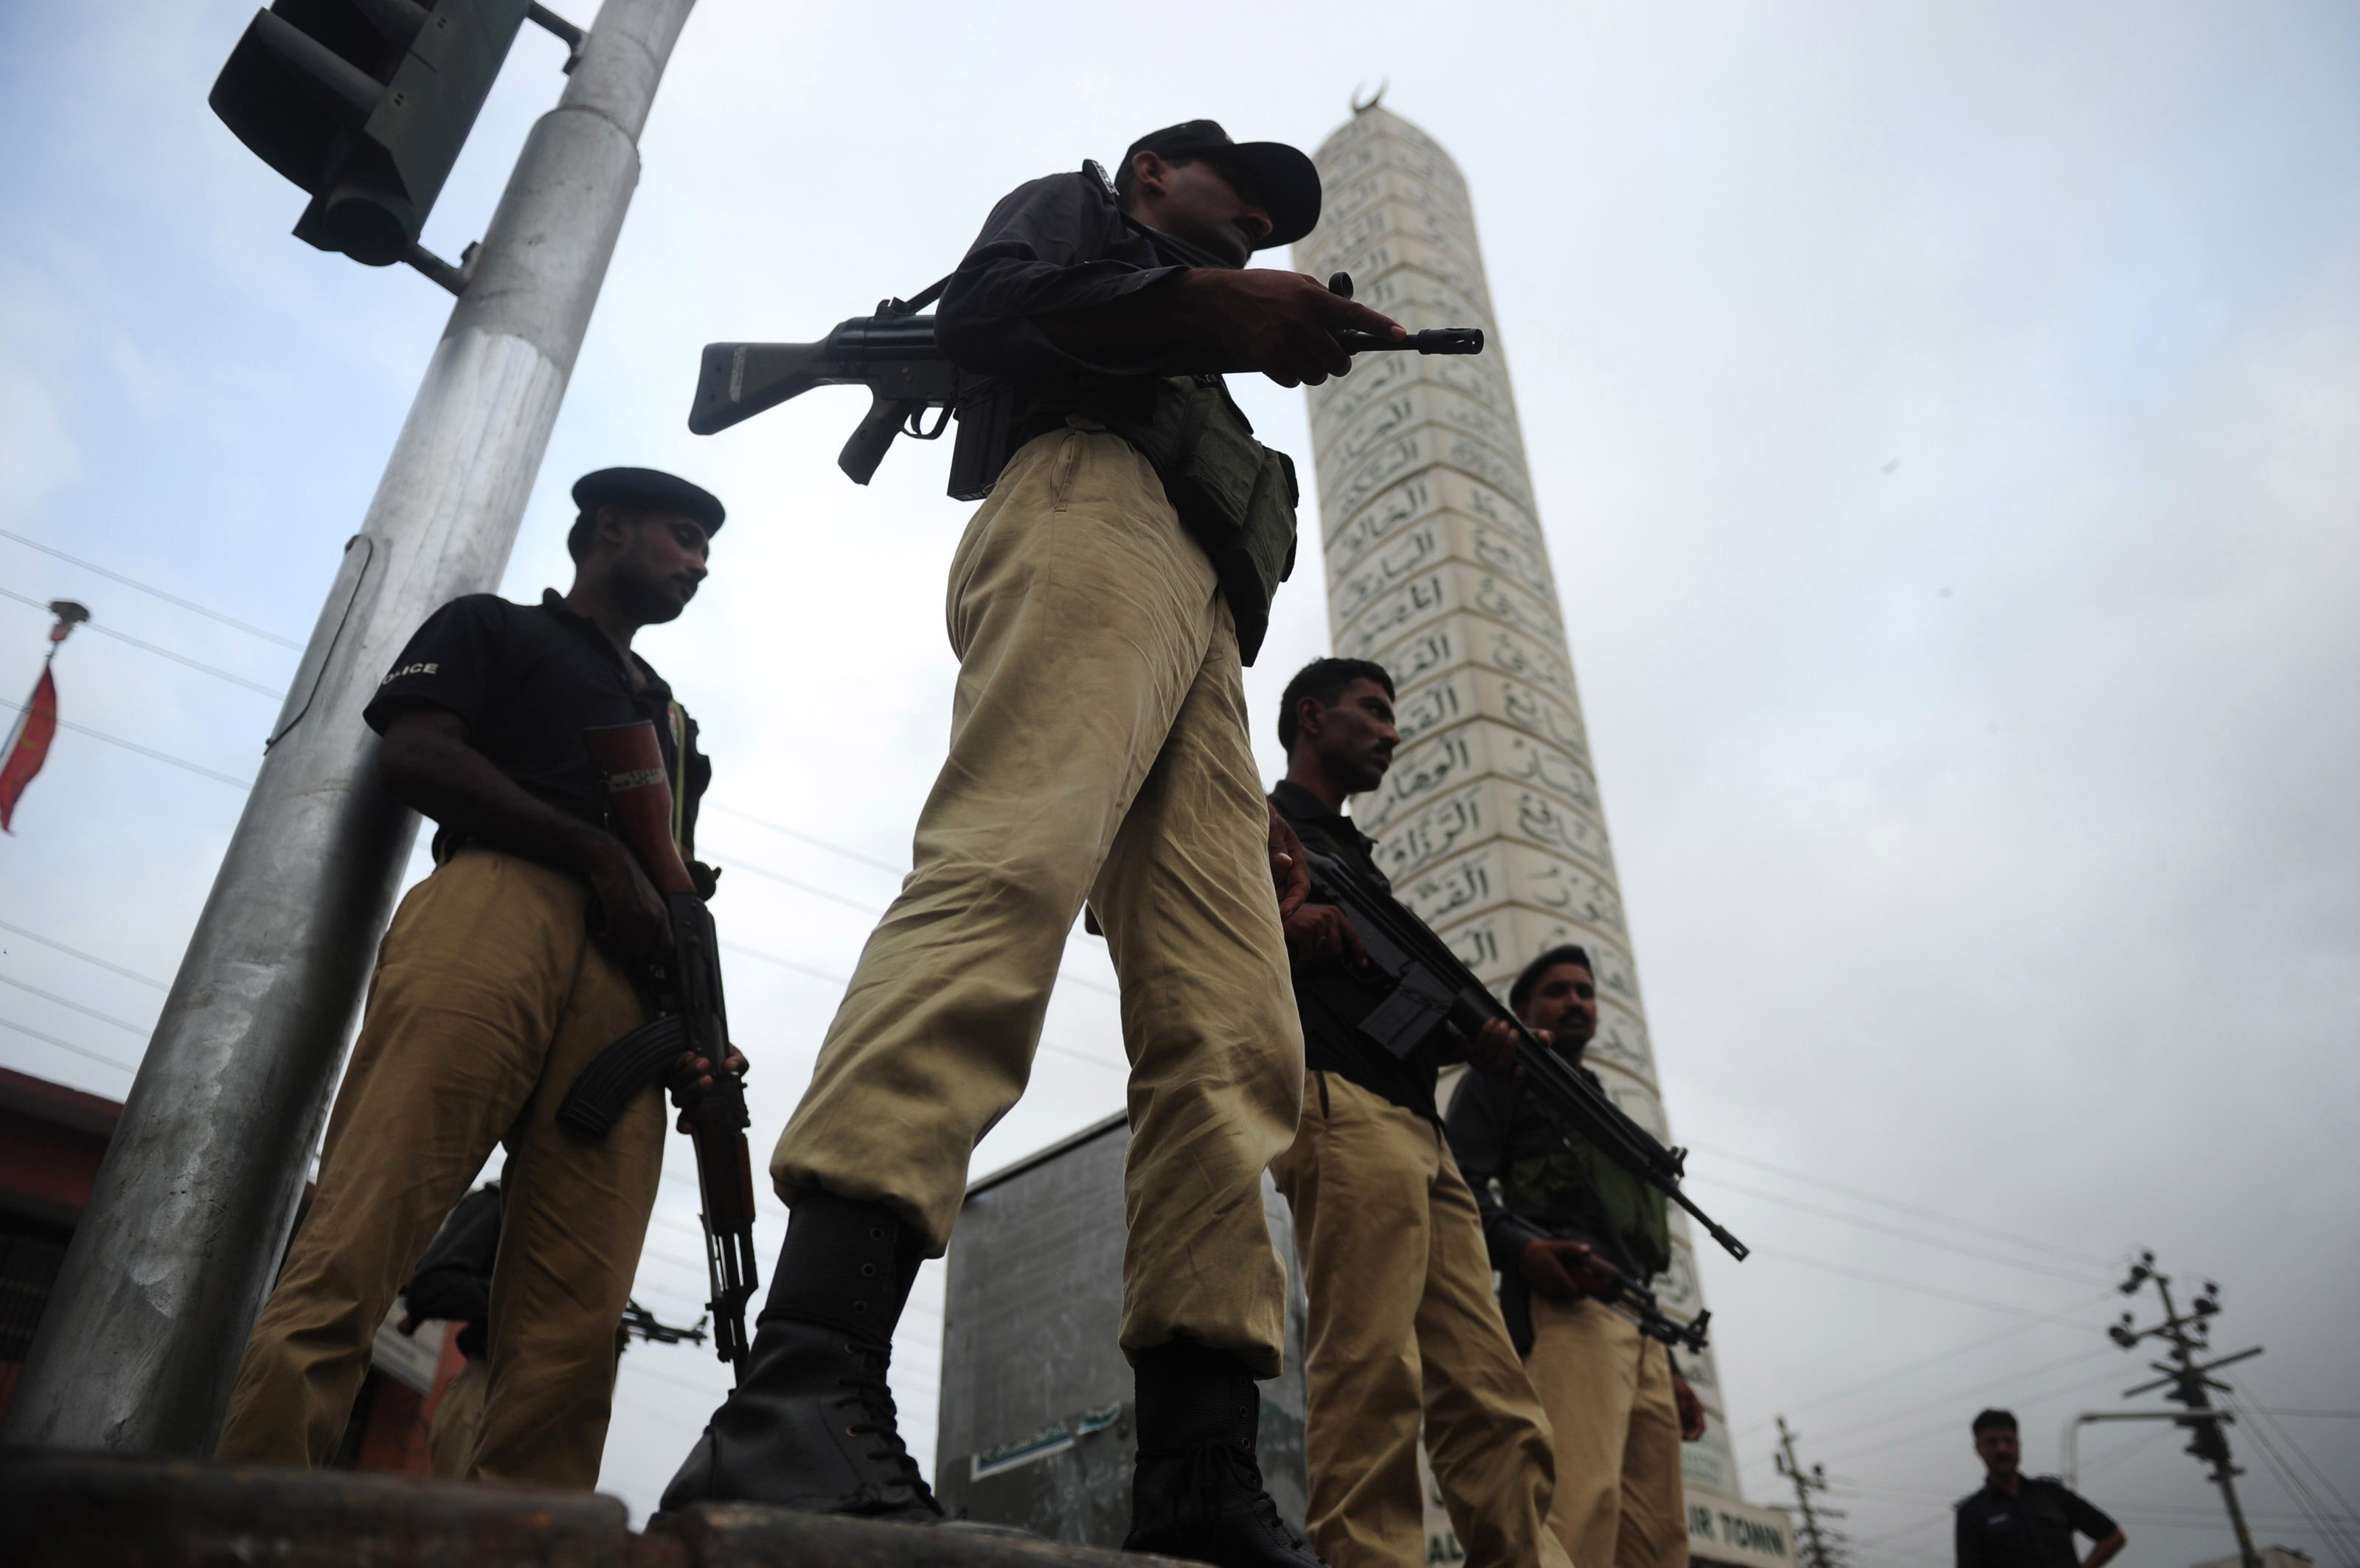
(1565, 1222)
(503, 973)
(1100, 603)
(2026, 1521)
(1402, 1326)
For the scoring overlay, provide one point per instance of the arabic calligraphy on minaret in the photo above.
(1489, 823)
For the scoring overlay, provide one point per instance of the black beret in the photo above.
(652, 489)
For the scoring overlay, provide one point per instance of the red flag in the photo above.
(35, 729)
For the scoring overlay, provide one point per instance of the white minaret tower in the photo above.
(1489, 823)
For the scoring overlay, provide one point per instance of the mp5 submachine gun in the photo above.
(893, 354)
(689, 1016)
(1432, 988)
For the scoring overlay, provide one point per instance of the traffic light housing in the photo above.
(364, 104)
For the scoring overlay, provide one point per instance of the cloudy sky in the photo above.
(1947, 423)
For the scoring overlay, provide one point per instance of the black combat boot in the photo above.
(1198, 1492)
(811, 1423)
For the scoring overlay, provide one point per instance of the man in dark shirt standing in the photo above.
(2020, 1521)
(1100, 604)
(1402, 1328)
(1565, 1219)
(503, 974)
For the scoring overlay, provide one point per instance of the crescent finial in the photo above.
(1375, 98)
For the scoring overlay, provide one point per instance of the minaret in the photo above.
(1489, 823)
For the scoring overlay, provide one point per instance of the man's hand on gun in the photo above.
(633, 925)
(1690, 1408)
(1281, 324)
(1492, 1051)
(1290, 869)
(1319, 933)
(690, 1075)
(1564, 1271)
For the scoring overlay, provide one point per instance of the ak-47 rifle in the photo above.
(689, 1016)
(1638, 1303)
(1434, 991)
(893, 354)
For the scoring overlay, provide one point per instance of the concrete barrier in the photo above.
(81, 1510)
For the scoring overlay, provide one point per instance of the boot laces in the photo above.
(872, 1395)
(1218, 1472)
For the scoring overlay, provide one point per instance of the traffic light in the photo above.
(364, 104)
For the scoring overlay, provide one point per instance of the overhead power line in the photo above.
(190, 605)
(1909, 1235)
(815, 842)
(1910, 1285)
(2335, 1527)
(104, 631)
(811, 970)
(1914, 1210)
(1955, 1406)
(142, 1030)
(142, 751)
(2067, 1314)
(86, 957)
(67, 1045)
(1954, 1399)
(732, 863)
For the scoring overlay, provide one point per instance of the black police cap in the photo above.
(651, 488)
(1283, 178)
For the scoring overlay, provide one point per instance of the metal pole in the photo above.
(2190, 1392)
(1815, 1553)
(140, 1341)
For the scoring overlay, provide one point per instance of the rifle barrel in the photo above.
(1436, 340)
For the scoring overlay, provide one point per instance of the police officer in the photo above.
(504, 973)
(2021, 1521)
(1564, 1220)
(1402, 1327)
(1101, 602)
(453, 1282)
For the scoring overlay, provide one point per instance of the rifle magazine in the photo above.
(616, 1074)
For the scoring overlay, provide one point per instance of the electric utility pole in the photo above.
(362, 103)
(2189, 1334)
(1822, 1547)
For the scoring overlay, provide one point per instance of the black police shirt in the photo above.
(1330, 997)
(2034, 1528)
(1057, 244)
(529, 679)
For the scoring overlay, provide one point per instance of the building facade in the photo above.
(1489, 823)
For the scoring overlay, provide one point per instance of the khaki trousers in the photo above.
(1608, 1390)
(1403, 1328)
(451, 1435)
(488, 998)
(1098, 751)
